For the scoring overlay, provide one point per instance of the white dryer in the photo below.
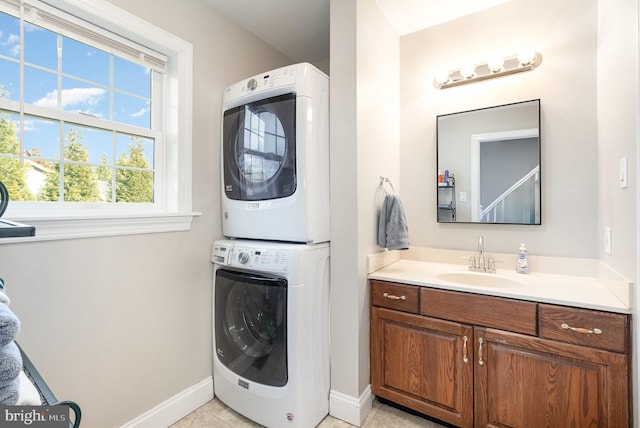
(271, 331)
(275, 156)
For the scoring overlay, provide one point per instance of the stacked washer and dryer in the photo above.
(271, 274)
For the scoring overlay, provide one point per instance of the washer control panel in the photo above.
(250, 257)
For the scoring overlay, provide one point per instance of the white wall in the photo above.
(618, 137)
(565, 33)
(588, 86)
(121, 324)
(617, 118)
(364, 146)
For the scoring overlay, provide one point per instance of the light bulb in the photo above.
(467, 71)
(495, 64)
(526, 56)
(442, 77)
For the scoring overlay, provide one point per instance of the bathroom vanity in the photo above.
(507, 355)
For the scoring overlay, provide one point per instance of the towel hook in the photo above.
(384, 180)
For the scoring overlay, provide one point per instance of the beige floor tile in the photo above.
(216, 414)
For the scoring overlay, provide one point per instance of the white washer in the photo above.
(271, 331)
(275, 156)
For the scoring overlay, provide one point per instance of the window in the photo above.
(94, 120)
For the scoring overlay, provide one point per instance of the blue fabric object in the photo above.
(393, 232)
(9, 325)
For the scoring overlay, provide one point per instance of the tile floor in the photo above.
(215, 414)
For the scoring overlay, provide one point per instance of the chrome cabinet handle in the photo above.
(392, 297)
(480, 360)
(580, 329)
(465, 357)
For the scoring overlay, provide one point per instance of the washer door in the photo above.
(251, 325)
(259, 149)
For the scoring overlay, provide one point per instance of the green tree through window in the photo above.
(80, 182)
(13, 174)
(134, 182)
(104, 177)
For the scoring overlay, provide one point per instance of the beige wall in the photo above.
(345, 287)
(618, 137)
(566, 84)
(121, 324)
(129, 318)
(364, 146)
(617, 117)
(588, 88)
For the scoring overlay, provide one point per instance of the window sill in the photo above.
(51, 229)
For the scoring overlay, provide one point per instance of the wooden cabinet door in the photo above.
(424, 364)
(530, 382)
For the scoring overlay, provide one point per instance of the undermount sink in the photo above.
(479, 279)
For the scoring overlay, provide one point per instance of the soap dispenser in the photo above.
(522, 265)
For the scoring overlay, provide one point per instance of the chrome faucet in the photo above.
(488, 265)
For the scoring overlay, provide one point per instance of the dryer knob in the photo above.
(252, 84)
(243, 258)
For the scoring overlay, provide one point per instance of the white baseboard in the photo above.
(350, 409)
(176, 407)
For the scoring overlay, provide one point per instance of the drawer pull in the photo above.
(392, 297)
(480, 360)
(581, 330)
(465, 357)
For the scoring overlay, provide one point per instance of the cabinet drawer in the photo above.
(394, 296)
(496, 312)
(597, 329)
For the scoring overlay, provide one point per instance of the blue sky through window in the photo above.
(84, 80)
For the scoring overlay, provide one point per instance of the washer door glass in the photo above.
(251, 325)
(259, 149)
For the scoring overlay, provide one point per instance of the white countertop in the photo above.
(569, 290)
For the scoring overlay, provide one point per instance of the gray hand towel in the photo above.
(393, 232)
(9, 325)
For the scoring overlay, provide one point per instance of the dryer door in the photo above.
(259, 149)
(251, 325)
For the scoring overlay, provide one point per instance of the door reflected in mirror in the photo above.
(489, 165)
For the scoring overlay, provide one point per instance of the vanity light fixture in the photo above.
(495, 64)
(468, 71)
(525, 60)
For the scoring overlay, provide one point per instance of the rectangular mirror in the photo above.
(489, 165)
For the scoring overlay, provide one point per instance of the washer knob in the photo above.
(243, 257)
(252, 84)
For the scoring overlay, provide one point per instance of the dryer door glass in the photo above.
(251, 325)
(259, 149)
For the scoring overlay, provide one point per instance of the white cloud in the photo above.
(12, 42)
(72, 97)
(140, 112)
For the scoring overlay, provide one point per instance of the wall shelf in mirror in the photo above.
(447, 201)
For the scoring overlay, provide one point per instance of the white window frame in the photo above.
(175, 213)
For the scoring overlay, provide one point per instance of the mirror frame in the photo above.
(495, 135)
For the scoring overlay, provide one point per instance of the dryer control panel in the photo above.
(231, 254)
